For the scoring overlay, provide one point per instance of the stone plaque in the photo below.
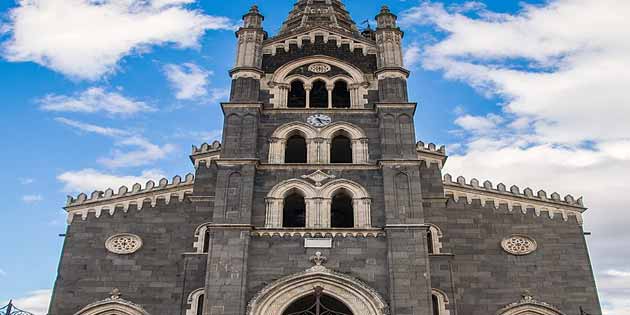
(318, 243)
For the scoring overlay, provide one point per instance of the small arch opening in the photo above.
(341, 95)
(430, 244)
(294, 212)
(200, 304)
(297, 95)
(296, 150)
(436, 304)
(317, 304)
(319, 95)
(206, 241)
(341, 149)
(342, 211)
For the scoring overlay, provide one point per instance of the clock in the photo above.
(319, 120)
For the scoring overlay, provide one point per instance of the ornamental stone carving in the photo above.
(319, 68)
(519, 245)
(123, 244)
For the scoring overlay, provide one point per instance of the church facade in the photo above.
(319, 200)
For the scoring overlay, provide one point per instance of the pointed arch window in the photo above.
(297, 95)
(319, 95)
(341, 95)
(294, 211)
(434, 244)
(342, 210)
(196, 302)
(296, 150)
(317, 304)
(439, 302)
(341, 149)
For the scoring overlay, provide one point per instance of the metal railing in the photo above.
(10, 309)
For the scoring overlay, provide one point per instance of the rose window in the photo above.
(519, 245)
(123, 244)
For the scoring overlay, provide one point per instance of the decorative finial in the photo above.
(319, 259)
(115, 294)
(384, 9)
(527, 296)
(254, 8)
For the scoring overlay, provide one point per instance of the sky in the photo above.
(103, 93)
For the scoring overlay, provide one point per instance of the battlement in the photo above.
(108, 200)
(431, 153)
(284, 42)
(513, 197)
(205, 152)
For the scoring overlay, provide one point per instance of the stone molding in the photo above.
(113, 305)
(357, 295)
(318, 141)
(318, 202)
(206, 153)
(430, 153)
(315, 233)
(331, 167)
(513, 198)
(271, 46)
(100, 201)
(528, 305)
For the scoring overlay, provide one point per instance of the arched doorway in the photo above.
(317, 303)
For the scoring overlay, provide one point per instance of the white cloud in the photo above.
(188, 79)
(26, 181)
(32, 198)
(35, 302)
(412, 55)
(218, 95)
(87, 180)
(479, 124)
(2, 273)
(143, 152)
(94, 100)
(557, 69)
(86, 39)
(105, 131)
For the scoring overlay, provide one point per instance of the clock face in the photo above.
(319, 120)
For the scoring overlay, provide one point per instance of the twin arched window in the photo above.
(318, 94)
(298, 204)
(301, 143)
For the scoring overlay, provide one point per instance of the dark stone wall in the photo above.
(363, 258)
(366, 63)
(392, 90)
(481, 278)
(245, 90)
(158, 277)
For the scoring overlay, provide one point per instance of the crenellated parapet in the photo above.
(431, 154)
(513, 197)
(273, 45)
(107, 200)
(206, 152)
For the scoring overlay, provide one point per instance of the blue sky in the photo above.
(101, 93)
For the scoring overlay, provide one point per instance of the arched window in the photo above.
(200, 304)
(341, 95)
(341, 150)
(319, 95)
(439, 302)
(317, 304)
(294, 212)
(297, 95)
(436, 304)
(342, 211)
(434, 235)
(206, 241)
(195, 302)
(295, 151)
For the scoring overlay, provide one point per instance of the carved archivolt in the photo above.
(318, 202)
(358, 296)
(113, 305)
(281, 80)
(318, 141)
(193, 301)
(442, 301)
(528, 305)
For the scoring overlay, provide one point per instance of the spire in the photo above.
(326, 13)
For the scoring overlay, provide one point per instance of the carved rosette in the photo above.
(123, 244)
(519, 245)
(319, 67)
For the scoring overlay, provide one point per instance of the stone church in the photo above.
(320, 201)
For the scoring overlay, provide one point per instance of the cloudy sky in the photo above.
(101, 93)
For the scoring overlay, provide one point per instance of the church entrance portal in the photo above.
(317, 303)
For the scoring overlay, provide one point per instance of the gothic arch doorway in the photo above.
(318, 291)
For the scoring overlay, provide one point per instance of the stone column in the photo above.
(330, 88)
(308, 88)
